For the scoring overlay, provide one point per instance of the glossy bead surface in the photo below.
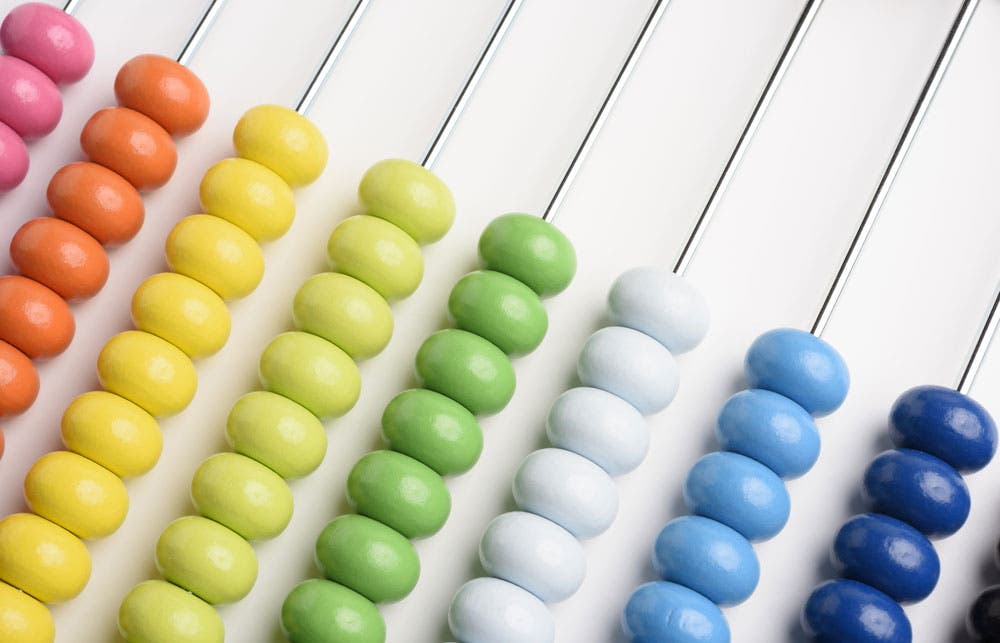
(61, 256)
(399, 492)
(662, 611)
(242, 494)
(164, 90)
(530, 250)
(433, 429)
(14, 160)
(182, 311)
(707, 556)
(113, 432)
(320, 611)
(23, 619)
(845, 610)
(131, 144)
(34, 319)
(148, 371)
(377, 253)
(50, 39)
(631, 365)
(30, 103)
(206, 559)
(345, 312)
(312, 372)
(568, 489)
(490, 610)
(983, 620)
(499, 308)
(156, 611)
(601, 427)
(661, 304)
(18, 381)
(42, 558)
(468, 369)
(250, 196)
(216, 253)
(77, 494)
(409, 196)
(96, 200)
(277, 432)
(283, 141)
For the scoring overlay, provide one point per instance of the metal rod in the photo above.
(316, 84)
(986, 336)
(198, 35)
(71, 6)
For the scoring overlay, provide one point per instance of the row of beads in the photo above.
(43, 47)
(78, 493)
(399, 494)
(737, 495)
(566, 493)
(916, 492)
(308, 375)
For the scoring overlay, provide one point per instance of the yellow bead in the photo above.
(156, 611)
(311, 371)
(282, 140)
(207, 559)
(242, 494)
(113, 432)
(345, 311)
(149, 371)
(249, 195)
(76, 494)
(182, 311)
(377, 253)
(23, 619)
(277, 432)
(410, 196)
(216, 253)
(42, 558)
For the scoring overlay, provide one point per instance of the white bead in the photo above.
(599, 426)
(490, 610)
(660, 304)
(630, 364)
(568, 489)
(534, 553)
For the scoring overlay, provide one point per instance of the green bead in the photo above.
(400, 492)
(466, 368)
(312, 372)
(372, 559)
(433, 429)
(207, 559)
(501, 309)
(344, 311)
(242, 494)
(277, 432)
(156, 611)
(377, 253)
(530, 250)
(410, 196)
(321, 611)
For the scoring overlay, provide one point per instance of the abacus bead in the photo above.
(631, 365)
(345, 312)
(283, 141)
(945, 423)
(433, 429)
(530, 250)
(30, 103)
(661, 304)
(662, 611)
(156, 611)
(320, 611)
(500, 309)
(799, 366)
(919, 489)
(113, 432)
(131, 144)
(409, 196)
(568, 489)
(34, 319)
(276, 432)
(182, 311)
(400, 492)
(534, 553)
(312, 372)
(599, 426)
(490, 610)
(13, 159)
(148, 371)
(18, 380)
(250, 196)
(206, 559)
(708, 557)
(374, 560)
(77, 494)
(377, 253)
(983, 619)
(42, 558)
(466, 368)
(845, 610)
(96, 200)
(23, 619)
(164, 90)
(242, 494)
(216, 253)
(60, 256)
(50, 39)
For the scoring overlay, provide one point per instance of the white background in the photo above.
(908, 316)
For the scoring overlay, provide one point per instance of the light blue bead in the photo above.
(663, 612)
(708, 557)
(739, 492)
(533, 553)
(799, 366)
(632, 365)
(771, 429)
(601, 427)
(490, 610)
(662, 305)
(568, 489)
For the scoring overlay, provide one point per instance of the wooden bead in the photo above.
(113, 432)
(499, 308)
(530, 250)
(661, 304)
(983, 620)
(321, 610)
(282, 140)
(182, 311)
(34, 319)
(13, 159)
(312, 372)
(474, 616)
(77, 494)
(433, 429)
(250, 196)
(23, 619)
(61, 256)
(207, 559)
(277, 432)
(98, 201)
(148, 371)
(377, 253)
(242, 494)
(216, 253)
(601, 427)
(344, 311)
(845, 610)
(466, 368)
(131, 144)
(30, 103)
(42, 558)
(50, 39)
(156, 611)
(18, 381)
(649, 616)
(409, 196)
(631, 365)
(164, 90)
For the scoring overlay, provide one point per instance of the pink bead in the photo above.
(13, 159)
(50, 39)
(30, 103)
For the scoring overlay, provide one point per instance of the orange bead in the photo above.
(164, 90)
(98, 201)
(18, 382)
(132, 144)
(61, 256)
(33, 318)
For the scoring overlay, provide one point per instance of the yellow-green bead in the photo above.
(277, 432)
(185, 312)
(23, 619)
(249, 195)
(242, 494)
(311, 371)
(216, 253)
(377, 253)
(345, 311)
(76, 494)
(113, 432)
(42, 558)
(282, 140)
(207, 559)
(156, 611)
(410, 196)
(149, 371)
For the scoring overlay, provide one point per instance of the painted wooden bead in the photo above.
(662, 611)
(490, 610)
(98, 201)
(61, 256)
(631, 365)
(131, 144)
(321, 610)
(312, 372)
(148, 371)
(945, 423)
(433, 429)
(500, 309)
(23, 619)
(400, 492)
(277, 432)
(42, 558)
(250, 196)
(529, 250)
(282, 140)
(845, 610)
(164, 90)
(242, 494)
(568, 489)
(182, 311)
(77, 494)
(707, 556)
(599, 426)
(113, 432)
(983, 620)
(660, 304)
(377, 253)
(216, 253)
(156, 611)
(799, 366)
(206, 559)
(468, 369)
(35, 320)
(409, 196)
(30, 103)
(14, 160)
(18, 381)
(345, 312)
(50, 39)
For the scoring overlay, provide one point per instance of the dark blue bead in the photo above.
(662, 611)
(944, 423)
(983, 621)
(919, 489)
(839, 611)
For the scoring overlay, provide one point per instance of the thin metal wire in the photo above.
(809, 12)
(198, 35)
(316, 84)
(986, 336)
(895, 162)
(71, 6)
